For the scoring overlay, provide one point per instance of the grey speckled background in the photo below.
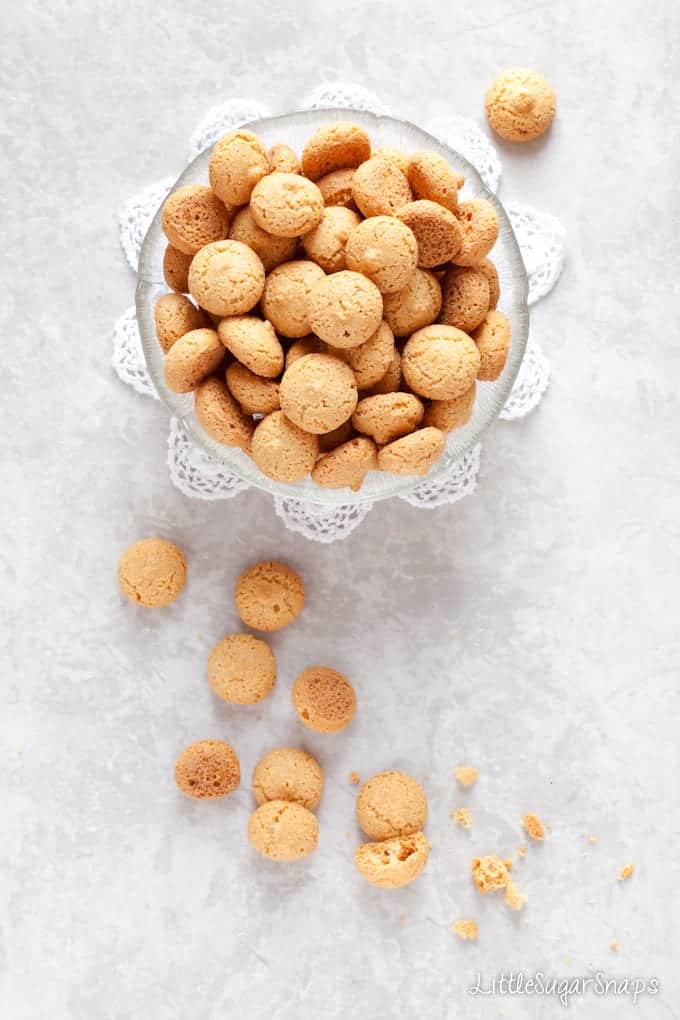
(532, 629)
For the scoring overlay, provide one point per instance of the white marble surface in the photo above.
(531, 630)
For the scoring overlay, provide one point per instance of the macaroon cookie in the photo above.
(254, 343)
(387, 416)
(371, 360)
(346, 465)
(448, 415)
(283, 830)
(414, 454)
(286, 297)
(325, 244)
(379, 188)
(324, 699)
(432, 178)
(226, 278)
(391, 804)
(391, 381)
(465, 297)
(318, 393)
(281, 450)
(345, 309)
(237, 163)
(396, 156)
(269, 595)
(286, 205)
(192, 217)
(436, 230)
(479, 231)
(329, 440)
(176, 269)
(191, 359)
(491, 275)
(152, 572)
(288, 773)
(440, 362)
(520, 104)
(255, 394)
(175, 315)
(283, 159)
(417, 305)
(301, 348)
(492, 337)
(208, 769)
(221, 416)
(336, 187)
(335, 147)
(385, 250)
(241, 669)
(271, 250)
(394, 862)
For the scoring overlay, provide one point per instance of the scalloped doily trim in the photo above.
(194, 473)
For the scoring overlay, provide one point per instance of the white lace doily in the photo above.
(541, 238)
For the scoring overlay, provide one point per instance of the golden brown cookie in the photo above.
(301, 348)
(283, 830)
(237, 163)
(415, 454)
(325, 245)
(370, 361)
(385, 250)
(394, 862)
(283, 159)
(175, 315)
(417, 305)
(287, 773)
(281, 450)
(379, 188)
(448, 415)
(318, 393)
(226, 278)
(241, 669)
(436, 229)
(152, 572)
(400, 159)
(520, 104)
(254, 342)
(269, 596)
(488, 269)
(176, 269)
(329, 440)
(191, 359)
(271, 251)
(324, 699)
(193, 217)
(335, 147)
(346, 465)
(479, 228)
(391, 804)
(345, 309)
(431, 177)
(208, 769)
(255, 394)
(440, 362)
(465, 297)
(221, 417)
(493, 343)
(286, 205)
(391, 381)
(336, 187)
(287, 291)
(386, 416)
(467, 775)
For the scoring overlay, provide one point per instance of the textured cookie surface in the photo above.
(237, 163)
(283, 830)
(286, 297)
(288, 773)
(440, 362)
(387, 416)
(345, 309)
(394, 862)
(479, 231)
(283, 451)
(414, 454)
(346, 465)
(226, 278)
(241, 669)
(152, 572)
(448, 415)
(431, 177)
(286, 205)
(208, 769)
(191, 359)
(379, 188)
(193, 217)
(370, 361)
(254, 342)
(391, 804)
(436, 230)
(255, 394)
(221, 416)
(283, 159)
(465, 297)
(271, 250)
(175, 315)
(269, 595)
(385, 250)
(335, 147)
(324, 699)
(176, 269)
(318, 393)
(336, 187)
(492, 337)
(325, 244)
(520, 104)
(417, 305)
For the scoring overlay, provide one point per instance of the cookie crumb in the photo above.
(466, 930)
(354, 778)
(592, 840)
(533, 826)
(507, 861)
(626, 872)
(489, 873)
(467, 775)
(513, 897)
(402, 919)
(522, 851)
(462, 816)
(614, 946)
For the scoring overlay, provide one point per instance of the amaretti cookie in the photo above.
(414, 454)
(221, 416)
(254, 342)
(396, 156)
(304, 346)
(237, 163)
(283, 159)
(391, 381)
(379, 188)
(255, 394)
(488, 269)
(465, 297)
(286, 297)
(386, 416)
(318, 393)
(176, 269)
(436, 230)
(345, 309)
(269, 595)
(152, 572)
(191, 359)
(448, 415)
(479, 231)
(329, 440)
(346, 465)
(192, 217)
(241, 669)
(324, 699)
(288, 773)
(417, 305)
(394, 862)
(175, 315)
(431, 177)
(492, 337)
(335, 147)
(371, 360)
(391, 804)
(283, 830)
(286, 205)
(281, 450)
(520, 104)
(226, 278)
(336, 187)
(208, 769)
(271, 250)
(385, 250)
(440, 362)
(325, 244)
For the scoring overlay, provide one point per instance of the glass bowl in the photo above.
(295, 129)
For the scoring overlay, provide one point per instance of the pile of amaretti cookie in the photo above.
(343, 309)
